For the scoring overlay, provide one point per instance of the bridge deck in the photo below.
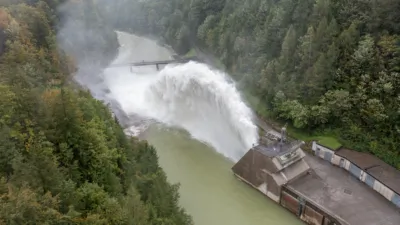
(156, 63)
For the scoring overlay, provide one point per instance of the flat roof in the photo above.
(377, 168)
(338, 192)
(277, 148)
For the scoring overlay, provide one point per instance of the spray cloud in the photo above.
(190, 96)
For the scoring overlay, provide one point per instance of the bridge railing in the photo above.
(156, 63)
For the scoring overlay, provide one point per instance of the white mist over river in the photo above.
(202, 121)
(190, 96)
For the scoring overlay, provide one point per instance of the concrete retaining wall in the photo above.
(396, 200)
(321, 151)
(383, 190)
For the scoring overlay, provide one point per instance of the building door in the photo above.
(302, 204)
(327, 221)
(396, 200)
(370, 181)
(328, 156)
(341, 163)
(355, 170)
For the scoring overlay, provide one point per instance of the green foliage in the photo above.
(63, 157)
(329, 142)
(25, 206)
(336, 62)
(325, 139)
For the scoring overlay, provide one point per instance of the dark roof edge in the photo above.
(316, 141)
(371, 174)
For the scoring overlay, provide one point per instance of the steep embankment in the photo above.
(63, 157)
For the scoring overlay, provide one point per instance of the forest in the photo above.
(328, 67)
(64, 158)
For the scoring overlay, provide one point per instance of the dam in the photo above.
(201, 127)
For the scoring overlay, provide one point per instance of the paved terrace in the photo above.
(340, 193)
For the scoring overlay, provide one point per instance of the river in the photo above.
(209, 191)
(203, 128)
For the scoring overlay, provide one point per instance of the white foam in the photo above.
(190, 96)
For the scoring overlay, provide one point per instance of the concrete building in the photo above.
(330, 195)
(375, 173)
(310, 187)
(272, 164)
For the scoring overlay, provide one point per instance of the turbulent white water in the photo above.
(190, 96)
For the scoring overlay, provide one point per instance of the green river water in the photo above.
(209, 191)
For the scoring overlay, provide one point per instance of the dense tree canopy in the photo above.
(317, 63)
(64, 159)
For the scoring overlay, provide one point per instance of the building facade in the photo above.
(269, 168)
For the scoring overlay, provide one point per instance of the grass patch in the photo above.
(329, 142)
(299, 134)
(326, 139)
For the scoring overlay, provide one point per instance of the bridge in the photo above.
(156, 63)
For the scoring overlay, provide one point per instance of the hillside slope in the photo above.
(63, 158)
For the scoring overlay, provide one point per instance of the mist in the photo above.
(191, 96)
(86, 37)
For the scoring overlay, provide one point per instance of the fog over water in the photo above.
(191, 96)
